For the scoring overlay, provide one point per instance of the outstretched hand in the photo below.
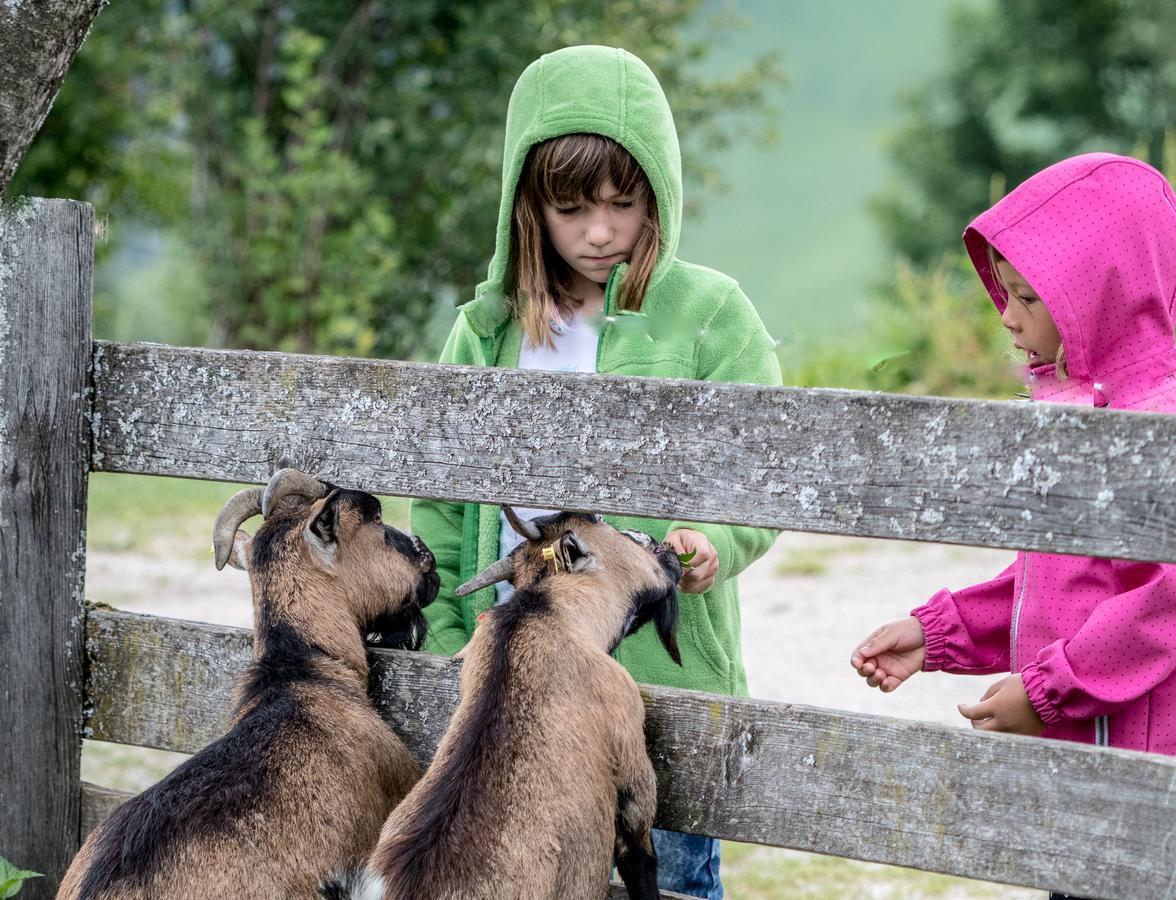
(891, 655)
(1004, 707)
(704, 565)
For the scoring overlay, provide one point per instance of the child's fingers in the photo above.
(979, 714)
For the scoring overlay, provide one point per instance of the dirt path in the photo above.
(805, 605)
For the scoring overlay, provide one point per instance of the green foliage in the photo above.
(333, 167)
(1030, 82)
(933, 331)
(11, 878)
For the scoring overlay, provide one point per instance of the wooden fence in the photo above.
(1071, 818)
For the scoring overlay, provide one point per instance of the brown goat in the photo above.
(542, 779)
(308, 771)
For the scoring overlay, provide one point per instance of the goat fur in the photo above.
(308, 771)
(542, 777)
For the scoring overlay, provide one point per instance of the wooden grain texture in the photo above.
(1090, 821)
(998, 474)
(46, 263)
(38, 42)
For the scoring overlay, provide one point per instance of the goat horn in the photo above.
(285, 482)
(241, 506)
(500, 571)
(524, 527)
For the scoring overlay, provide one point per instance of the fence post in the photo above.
(46, 266)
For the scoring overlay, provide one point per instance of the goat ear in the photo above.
(576, 554)
(324, 529)
(239, 555)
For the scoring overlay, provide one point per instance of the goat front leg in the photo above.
(635, 857)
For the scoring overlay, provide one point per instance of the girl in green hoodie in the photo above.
(585, 278)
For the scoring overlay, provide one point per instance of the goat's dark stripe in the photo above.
(221, 784)
(464, 779)
(287, 658)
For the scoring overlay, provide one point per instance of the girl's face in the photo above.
(1027, 319)
(592, 236)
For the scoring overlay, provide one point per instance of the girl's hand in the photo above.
(891, 655)
(1005, 707)
(704, 565)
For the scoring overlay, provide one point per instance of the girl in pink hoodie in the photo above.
(1080, 261)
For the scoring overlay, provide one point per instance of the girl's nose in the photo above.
(1008, 318)
(599, 230)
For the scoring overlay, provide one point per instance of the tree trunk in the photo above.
(38, 41)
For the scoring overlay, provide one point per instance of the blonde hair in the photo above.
(995, 256)
(564, 171)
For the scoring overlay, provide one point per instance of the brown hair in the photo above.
(995, 256)
(564, 171)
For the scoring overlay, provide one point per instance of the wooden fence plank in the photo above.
(1017, 475)
(1016, 810)
(46, 263)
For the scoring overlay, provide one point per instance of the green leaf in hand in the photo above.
(684, 558)
(11, 878)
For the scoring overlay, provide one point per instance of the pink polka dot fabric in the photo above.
(1093, 639)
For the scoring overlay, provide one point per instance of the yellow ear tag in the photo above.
(550, 556)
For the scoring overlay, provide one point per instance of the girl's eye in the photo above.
(1027, 300)
(567, 210)
(623, 204)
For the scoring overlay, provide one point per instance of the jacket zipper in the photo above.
(608, 311)
(1017, 612)
(1102, 723)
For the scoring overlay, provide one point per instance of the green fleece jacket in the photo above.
(694, 323)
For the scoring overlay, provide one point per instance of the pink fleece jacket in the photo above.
(1093, 639)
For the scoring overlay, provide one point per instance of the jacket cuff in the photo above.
(935, 628)
(1035, 687)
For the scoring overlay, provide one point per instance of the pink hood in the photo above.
(1094, 640)
(1095, 236)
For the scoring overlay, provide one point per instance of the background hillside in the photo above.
(794, 228)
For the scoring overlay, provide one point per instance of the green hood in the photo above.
(598, 90)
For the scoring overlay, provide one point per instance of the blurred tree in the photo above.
(1030, 82)
(335, 166)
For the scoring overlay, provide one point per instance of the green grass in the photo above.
(751, 872)
(802, 562)
(145, 514)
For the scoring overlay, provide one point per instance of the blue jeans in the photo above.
(688, 864)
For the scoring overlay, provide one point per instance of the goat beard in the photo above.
(405, 629)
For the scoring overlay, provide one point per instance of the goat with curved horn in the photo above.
(285, 482)
(524, 527)
(241, 506)
(502, 570)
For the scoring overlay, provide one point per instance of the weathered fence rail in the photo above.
(997, 474)
(1079, 819)
(860, 786)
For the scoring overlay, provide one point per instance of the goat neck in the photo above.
(322, 625)
(597, 618)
